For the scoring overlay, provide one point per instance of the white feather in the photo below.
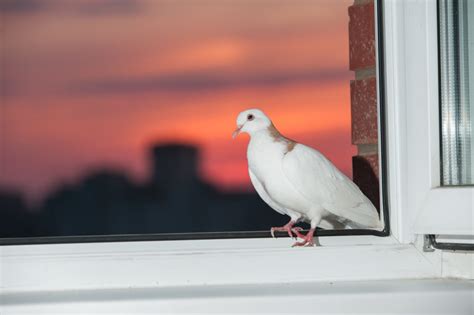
(299, 181)
(264, 195)
(316, 178)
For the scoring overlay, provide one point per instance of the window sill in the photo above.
(362, 297)
(92, 266)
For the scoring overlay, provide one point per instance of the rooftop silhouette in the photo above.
(174, 199)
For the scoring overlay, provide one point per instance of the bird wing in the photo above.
(263, 193)
(319, 181)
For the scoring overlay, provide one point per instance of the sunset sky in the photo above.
(88, 84)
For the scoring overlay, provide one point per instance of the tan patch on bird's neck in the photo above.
(274, 133)
(277, 137)
(290, 145)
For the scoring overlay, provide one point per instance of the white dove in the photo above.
(300, 182)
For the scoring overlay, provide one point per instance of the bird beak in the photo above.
(236, 132)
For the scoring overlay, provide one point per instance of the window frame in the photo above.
(382, 153)
(418, 202)
(27, 269)
(180, 264)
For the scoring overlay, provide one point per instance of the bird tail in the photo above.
(337, 222)
(354, 225)
(365, 216)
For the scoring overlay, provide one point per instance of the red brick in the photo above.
(365, 173)
(361, 36)
(364, 111)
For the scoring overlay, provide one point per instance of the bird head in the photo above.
(251, 121)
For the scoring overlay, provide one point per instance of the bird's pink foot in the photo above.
(296, 230)
(307, 240)
(286, 228)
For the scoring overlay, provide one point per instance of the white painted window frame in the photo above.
(30, 269)
(418, 203)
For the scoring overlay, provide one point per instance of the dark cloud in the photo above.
(110, 7)
(76, 7)
(203, 81)
(22, 6)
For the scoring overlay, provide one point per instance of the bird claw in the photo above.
(307, 240)
(304, 243)
(297, 230)
(288, 228)
(272, 231)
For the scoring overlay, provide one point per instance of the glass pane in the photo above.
(117, 116)
(456, 36)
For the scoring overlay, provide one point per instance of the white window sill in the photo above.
(346, 274)
(363, 297)
(31, 268)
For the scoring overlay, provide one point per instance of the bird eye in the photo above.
(250, 117)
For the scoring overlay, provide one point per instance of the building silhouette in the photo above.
(15, 218)
(174, 199)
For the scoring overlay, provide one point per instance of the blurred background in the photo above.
(116, 115)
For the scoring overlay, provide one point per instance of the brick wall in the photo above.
(364, 98)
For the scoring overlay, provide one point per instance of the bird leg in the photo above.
(307, 239)
(285, 228)
(297, 230)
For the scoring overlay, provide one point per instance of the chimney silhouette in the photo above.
(174, 164)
